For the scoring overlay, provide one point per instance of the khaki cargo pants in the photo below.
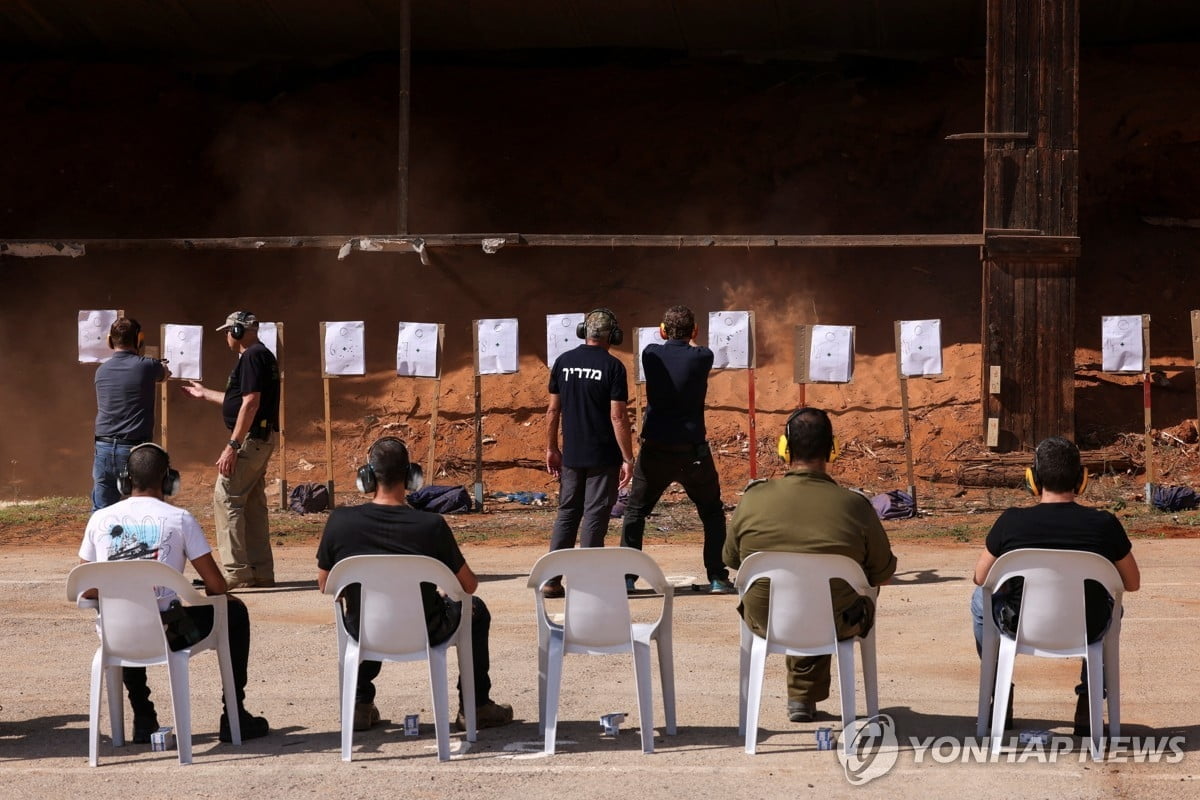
(240, 514)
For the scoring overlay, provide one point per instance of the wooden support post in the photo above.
(478, 439)
(431, 462)
(637, 410)
(753, 424)
(1196, 360)
(328, 444)
(1146, 384)
(908, 447)
(404, 121)
(283, 483)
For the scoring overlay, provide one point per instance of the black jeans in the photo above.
(440, 630)
(692, 467)
(134, 678)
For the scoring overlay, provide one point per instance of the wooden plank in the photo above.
(1033, 246)
(404, 125)
(389, 243)
(1196, 360)
(987, 135)
(279, 358)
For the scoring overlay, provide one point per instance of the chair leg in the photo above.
(666, 673)
(743, 678)
(439, 688)
(1095, 684)
(116, 704)
(229, 688)
(97, 687)
(642, 684)
(466, 676)
(1112, 683)
(181, 711)
(866, 646)
(543, 667)
(1005, 659)
(845, 668)
(554, 666)
(349, 688)
(987, 676)
(758, 663)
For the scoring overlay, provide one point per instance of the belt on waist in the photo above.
(671, 448)
(121, 442)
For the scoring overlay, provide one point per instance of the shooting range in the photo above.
(918, 355)
(823, 354)
(731, 338)
(418, 355)
(1125, 345)
(343, 353)
(495, 348)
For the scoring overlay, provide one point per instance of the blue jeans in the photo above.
(110, 461)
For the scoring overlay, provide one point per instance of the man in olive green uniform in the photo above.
(805, 511)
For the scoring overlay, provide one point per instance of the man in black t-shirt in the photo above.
(124, 407)
(1057, 522)
(674, 444)
(250, 408)
(588, 395)
(388, 525)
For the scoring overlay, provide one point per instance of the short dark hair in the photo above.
(1057, 464)
(124, 332)
(388, 457)
(148, 467)
(809, 433)
(679, 322)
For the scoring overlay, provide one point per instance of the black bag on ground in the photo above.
(307, 498)
(441, 499)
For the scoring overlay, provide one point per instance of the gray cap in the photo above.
(243, 318)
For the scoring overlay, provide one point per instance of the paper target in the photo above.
(560, 335)
(93, 327)
(417, 350)
(344, 352)
(1122, 344)
(831, 354)
(268, 334)
(921, 347)
(181, 346)
(729, 339)
(497, 346)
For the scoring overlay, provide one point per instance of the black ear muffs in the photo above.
(785, 452)
(615, 334)
(367, 482)
(170, 481)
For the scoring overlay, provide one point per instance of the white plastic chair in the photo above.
(392, 628)
(801, 623)
(596, 621)
(131, 635)
(1052, 624)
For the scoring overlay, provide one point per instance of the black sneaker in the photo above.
(801, 711)
(142, 728)
(252, 727)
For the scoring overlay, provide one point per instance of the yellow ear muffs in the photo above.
(1031, 482)
(786, 454)
(662, 331)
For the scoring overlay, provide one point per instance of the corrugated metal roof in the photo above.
(241, 29)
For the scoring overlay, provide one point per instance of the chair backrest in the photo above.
(597, 604)
(801, 606)
(1053, 610)
(391, 614)
(130, 624)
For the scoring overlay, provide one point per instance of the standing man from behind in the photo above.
(674, 444)
(145, 527)
(589, 392)
(124, 407)
(250, 407)
(1057, 522)
(805, 511)
(388, 525)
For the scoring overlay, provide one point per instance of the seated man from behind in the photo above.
(1057, 522)
(144, 526)
(388, 525)
(805, 511)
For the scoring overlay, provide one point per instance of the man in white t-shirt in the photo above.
(145, 527)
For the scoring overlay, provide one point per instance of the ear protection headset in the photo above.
(662, 331)
(1034, 483)
(170, 481)
(239, 328)
(615, 334)
(141, 337)
(366, 481)
(785, 452)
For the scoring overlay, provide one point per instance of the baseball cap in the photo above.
(243, 318)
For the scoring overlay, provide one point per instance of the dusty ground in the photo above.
(928, 680)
